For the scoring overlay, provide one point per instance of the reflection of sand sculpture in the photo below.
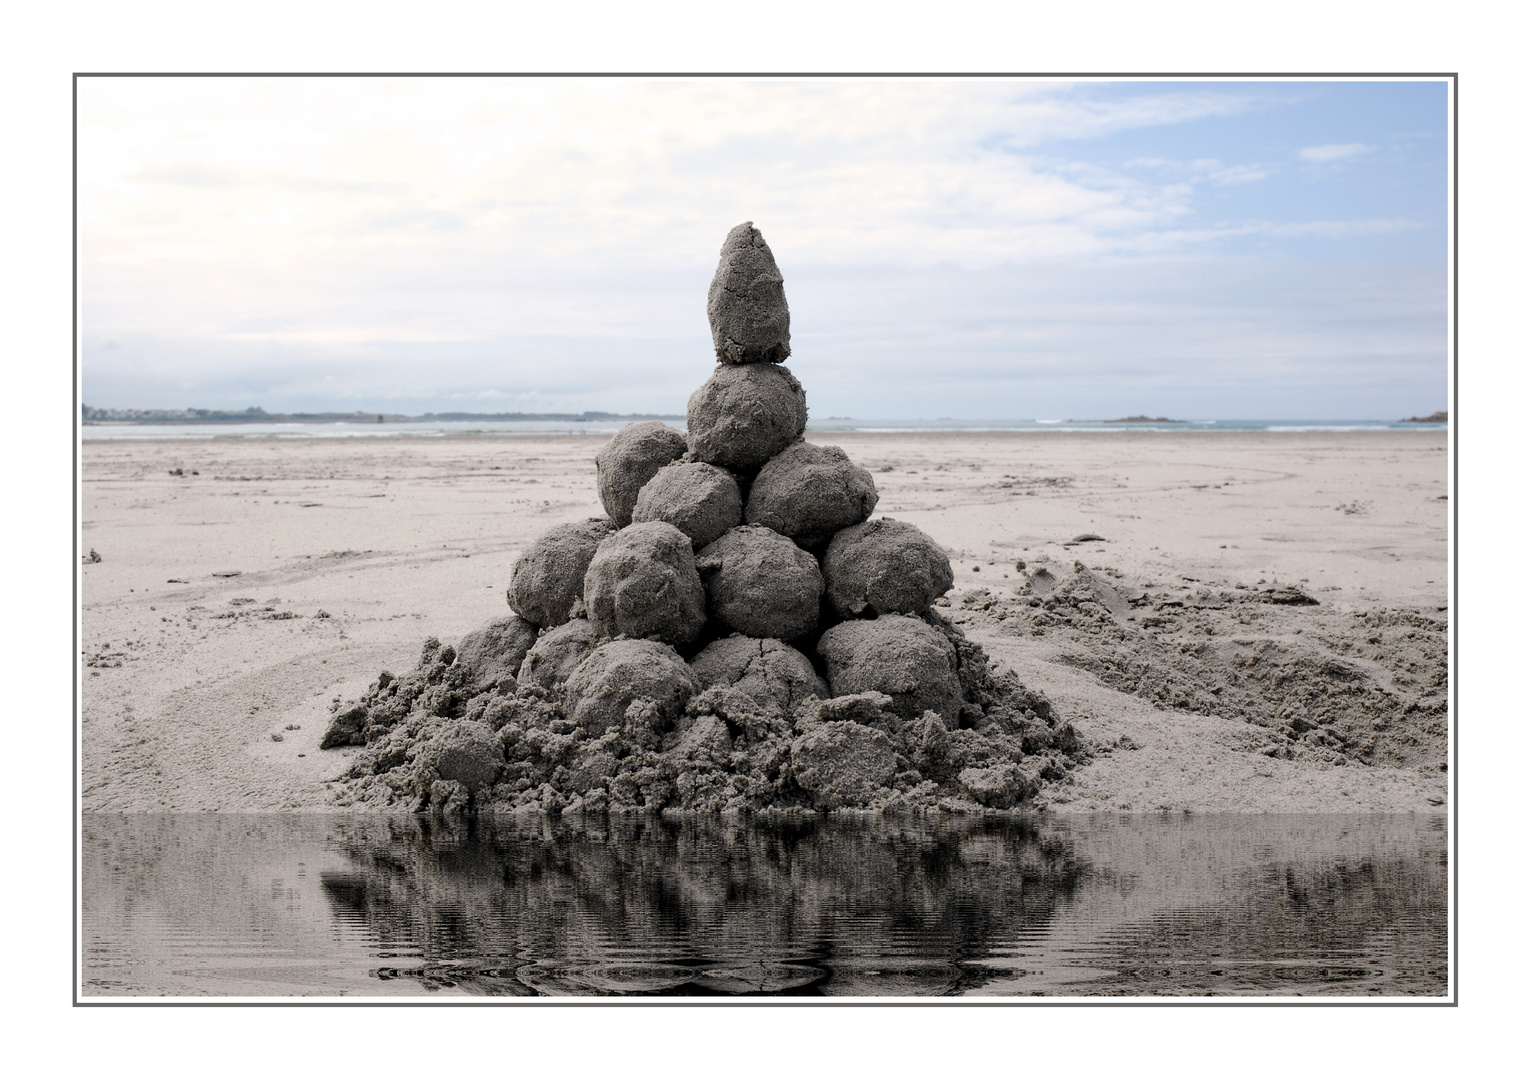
(658, 905)
(737, 633)
(802, 904)
(896, 905)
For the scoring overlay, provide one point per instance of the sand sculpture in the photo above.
(738, 633)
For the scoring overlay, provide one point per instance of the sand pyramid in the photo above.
(738, 632)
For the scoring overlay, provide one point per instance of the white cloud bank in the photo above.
(511, 244)
(336, 210)
(1329, 152)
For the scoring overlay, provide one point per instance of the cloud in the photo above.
(452, 209)
(1217, 337)
(1175, 192)
(186, 176)
(431, 241)
(1336, 230)
(571, 170)
(1321, 155)
(1237, 174)
(1180, 240)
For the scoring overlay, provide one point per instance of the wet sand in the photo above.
(234, 604)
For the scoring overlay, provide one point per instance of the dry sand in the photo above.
(348, 553)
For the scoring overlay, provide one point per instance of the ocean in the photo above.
(442, 428)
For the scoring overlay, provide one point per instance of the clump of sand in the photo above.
(633, 728)
(1315, 684)
(746, 303)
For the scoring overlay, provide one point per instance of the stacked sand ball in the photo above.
(738, 545)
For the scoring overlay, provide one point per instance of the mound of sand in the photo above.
(894, 708)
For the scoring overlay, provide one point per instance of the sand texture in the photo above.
(234, 602)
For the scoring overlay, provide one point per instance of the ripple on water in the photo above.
(290, 905)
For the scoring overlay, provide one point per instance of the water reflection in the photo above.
(691, 906)
(862, 907)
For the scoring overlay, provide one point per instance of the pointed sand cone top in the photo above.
(746, 304)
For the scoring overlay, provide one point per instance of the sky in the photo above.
(969, 248)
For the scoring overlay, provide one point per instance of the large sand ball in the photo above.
(745, 415)
(746, 304)
(556, 654)
(643, 583)
(618, 673)
(761, 584)
(775, 675)
(549, 577)
(902, 657)
(700, 500)
(884, 566)
(495, 652)
(810, 492)
(465, 751)
(630, 460)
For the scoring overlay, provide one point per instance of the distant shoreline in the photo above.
(108, 417)
(251, 417)
(816, 431)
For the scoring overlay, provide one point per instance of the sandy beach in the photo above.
(244, 584)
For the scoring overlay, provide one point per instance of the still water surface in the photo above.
(299, 905)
